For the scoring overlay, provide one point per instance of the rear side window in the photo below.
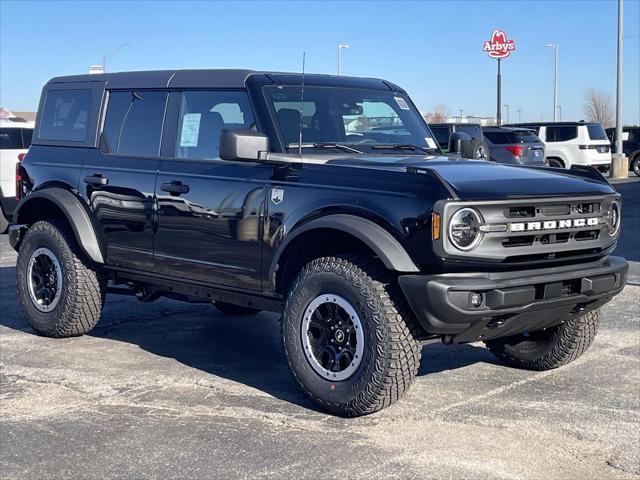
(442, 135)
(474, 131)
(133, 124)
(504, 138)
(27, 134)
(596, 132)
(65, 115)
(561, 133)
(203, 115)
(10, 139)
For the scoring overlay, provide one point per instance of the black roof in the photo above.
(552, 124)
(504, 128)
(221, 78)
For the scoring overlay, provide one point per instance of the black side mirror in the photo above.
(459, 142)
(243, 145)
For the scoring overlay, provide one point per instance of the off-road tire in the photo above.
(550, 348)
(478, 150)
(391, 355)
(235, 310)
(84, 284)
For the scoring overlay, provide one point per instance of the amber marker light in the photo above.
(435, 226)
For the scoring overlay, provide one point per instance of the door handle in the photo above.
(176, 187)
(96, 179)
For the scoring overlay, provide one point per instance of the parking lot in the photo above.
(177, 390)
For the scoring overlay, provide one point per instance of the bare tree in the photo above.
(439, 114)
(598, 107)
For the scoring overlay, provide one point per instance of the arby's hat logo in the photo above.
(499, 46)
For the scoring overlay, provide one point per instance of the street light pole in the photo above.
(519, 116)
(559, 113)
(506, 105)
(108, 56)
(555, 77)
(461, 115)
(619, 166)
(340, 47)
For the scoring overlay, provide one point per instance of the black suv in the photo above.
(630, 145)
(477, 148)
(328, 202)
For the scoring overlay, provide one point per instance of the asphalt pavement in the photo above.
(174, 390)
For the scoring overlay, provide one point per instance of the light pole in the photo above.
(340, 47)
(619, 165)
(108, 56)
(555, 77)
(461, 115)
(559, 113)
(519, 116)
(506, 105)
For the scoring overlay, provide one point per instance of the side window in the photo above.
(133, 124)
(27, 133)
(442, 136)
(561, 133)
(65, 115)
(10, 139)
(203, 115)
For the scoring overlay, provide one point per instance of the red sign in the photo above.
(499, 46)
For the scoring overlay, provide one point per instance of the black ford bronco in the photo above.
(325, 198)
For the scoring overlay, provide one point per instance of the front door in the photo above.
(209, 210)
(119, 179)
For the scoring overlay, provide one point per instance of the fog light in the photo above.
(475, 299)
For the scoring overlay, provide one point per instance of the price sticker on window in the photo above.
(402, 103)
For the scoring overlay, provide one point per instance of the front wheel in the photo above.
(549, 348)
(350, 339)
(60, 290)
(635, 165)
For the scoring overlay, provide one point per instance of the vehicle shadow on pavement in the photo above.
(245, 349)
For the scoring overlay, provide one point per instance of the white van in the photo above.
(573, 143)
(15, 139)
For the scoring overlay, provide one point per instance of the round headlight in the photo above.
(613, 220)
(464, 229)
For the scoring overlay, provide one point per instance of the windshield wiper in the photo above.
(403, 146)
(339, 146)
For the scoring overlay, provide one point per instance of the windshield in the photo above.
(366, 120)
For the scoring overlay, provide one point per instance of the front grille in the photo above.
(526, 230)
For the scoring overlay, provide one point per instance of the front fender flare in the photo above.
(379, 240)
(76, 214)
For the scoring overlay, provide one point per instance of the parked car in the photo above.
(226, 186)
(15, 138)
(477, 149)
(573, 143)
(630, 145)
(514, 145)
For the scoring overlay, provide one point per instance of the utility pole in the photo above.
(555, 77)
(340, 47)
(620, 165)
(506, 105)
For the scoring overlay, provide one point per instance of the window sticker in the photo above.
(190, 130)
(430, 142)
(401, 103)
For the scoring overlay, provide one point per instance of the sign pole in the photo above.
(499, 104)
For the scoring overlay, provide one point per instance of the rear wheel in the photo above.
(235, 310)
(478, 150)
(549, 348)
(60, 290)
(635, 165)
(350, 339)
(555, 163)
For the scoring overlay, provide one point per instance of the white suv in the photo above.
(15, 139)
(573, 143)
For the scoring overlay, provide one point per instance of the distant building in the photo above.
(5, 113)
(483, 121)
(96, 69)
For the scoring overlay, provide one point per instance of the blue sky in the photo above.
(431, 48)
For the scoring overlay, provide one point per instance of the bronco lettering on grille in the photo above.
(553, 224)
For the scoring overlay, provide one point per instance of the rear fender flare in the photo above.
(77, 216)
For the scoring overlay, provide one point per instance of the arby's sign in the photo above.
(499, 46)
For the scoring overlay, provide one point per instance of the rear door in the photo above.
(118, 179)
(209, 210)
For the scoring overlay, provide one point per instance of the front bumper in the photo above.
(510, 302)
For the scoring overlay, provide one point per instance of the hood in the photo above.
(484, 180)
